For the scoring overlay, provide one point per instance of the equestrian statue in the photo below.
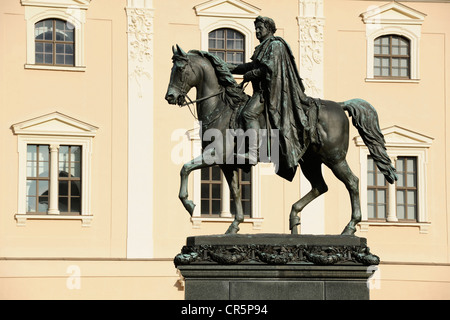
(279, 116)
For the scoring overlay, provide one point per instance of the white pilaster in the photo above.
(311, 22)
(54, 173)
(140, 128)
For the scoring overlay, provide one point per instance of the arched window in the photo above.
(392, 57)
(228, 44)
(54, 42)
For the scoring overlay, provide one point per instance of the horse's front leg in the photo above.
(195, 164)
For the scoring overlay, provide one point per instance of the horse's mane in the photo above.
(234, 95)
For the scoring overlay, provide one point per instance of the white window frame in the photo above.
(232, 14)
(55, 130)
(398, 19)
(400, 142)
(68, 10)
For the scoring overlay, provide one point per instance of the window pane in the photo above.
(246, 192)
(59, 48)
(63, 204)
(215, 206)
(370, 179)
(39, 47)
(247, 206)
(400, 212)
(411, 197)
(39, 58)
(215, 189)
(381, 181)
(59, 59)
(371, 211)
(31, 152)
(31, 187)
(205, 190)
(43, 204)
(204, 207)
(410, 180)
(75, 204)
(43, 188)
(63, 187)
(381, 211)
(205, 174)
(411, 213)
(43, 153)
(31, 204)
(48, 58)
(381, 196)
(215, 173)
(43, 169)
(75, 188)
(31, 169)
(404, 50)
(400, 197)
(371, 196)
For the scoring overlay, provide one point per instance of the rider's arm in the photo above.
(240, 68)
(255, 74)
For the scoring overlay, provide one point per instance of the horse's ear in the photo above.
(181, 52)
(174, 50)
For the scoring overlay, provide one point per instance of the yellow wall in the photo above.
(34, 259)
(96, 96)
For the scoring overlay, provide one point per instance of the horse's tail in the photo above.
(365, 119)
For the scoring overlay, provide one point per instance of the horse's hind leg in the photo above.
(313, 172)
(343, 172)
(232, 174)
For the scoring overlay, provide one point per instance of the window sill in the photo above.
(21, 219)
(423, 226)
(197, 221)
(393, 80)
(55, 68)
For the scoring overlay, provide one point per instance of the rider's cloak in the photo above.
(283, 96)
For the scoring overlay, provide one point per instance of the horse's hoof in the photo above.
(190, 206)
(232, 230)
(294, 222)
(348, 230)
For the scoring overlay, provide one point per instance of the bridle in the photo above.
(184, 88)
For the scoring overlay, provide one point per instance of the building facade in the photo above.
(93, 151)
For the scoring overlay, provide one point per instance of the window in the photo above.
(405, 202)
(54, 42)
(406, 188)
(233, 21)
(391, 57)
(54, 169)
(39, 193)
(392, 43)
(55, 34)
(227, 44)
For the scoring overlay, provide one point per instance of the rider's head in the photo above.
(268, 22)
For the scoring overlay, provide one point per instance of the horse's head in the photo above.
(182, 77)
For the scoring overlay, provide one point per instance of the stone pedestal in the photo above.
(276, 267)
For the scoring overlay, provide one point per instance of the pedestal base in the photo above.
(269, 282)
(276, 267)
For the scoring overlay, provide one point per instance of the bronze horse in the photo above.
(217, 92)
